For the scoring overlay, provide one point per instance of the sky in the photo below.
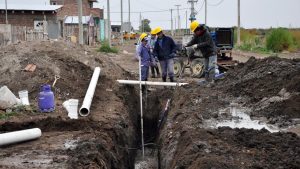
(220, 13)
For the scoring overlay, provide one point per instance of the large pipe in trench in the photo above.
(85, 108)
(151, 83)
(19, 136)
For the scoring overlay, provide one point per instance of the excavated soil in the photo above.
(267, 89)
(97, 141)
(183, 137)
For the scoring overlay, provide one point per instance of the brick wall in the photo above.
(25, 19)
(70, 8)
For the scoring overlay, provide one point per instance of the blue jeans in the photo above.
(210, 65)
(144, 72)
(167, 68)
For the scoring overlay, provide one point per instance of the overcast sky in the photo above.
(221, 13)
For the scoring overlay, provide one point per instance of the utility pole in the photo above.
(193, 12)
(6, 21)
(172, 32)
(80, 22)
(175, 25)
(141, 24)
(129, 15)
(108, 23)
(205, 12)
(239, 25)
(178, 20)
(121, 22)
(186, 22)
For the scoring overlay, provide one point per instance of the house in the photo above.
(41, 18)
(50, 18)
(70, 8)
(71, 28)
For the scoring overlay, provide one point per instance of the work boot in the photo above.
(164, 79)
(172, 79)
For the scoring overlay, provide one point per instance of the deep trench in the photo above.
(153, 111)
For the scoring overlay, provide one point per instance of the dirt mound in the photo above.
(238, 148)
(263, 78)
(99, 140)
(72, 63)
(272, 86)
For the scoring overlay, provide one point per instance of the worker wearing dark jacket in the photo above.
(203, 41)
(164, 50)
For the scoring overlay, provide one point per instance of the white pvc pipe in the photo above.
(151, 83)
(19, 136)
(85, 108)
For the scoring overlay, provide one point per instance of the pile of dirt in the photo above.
(259, 78)
(101, 138)
(74, 65)
(267, 88)
(233, 149)
(271, 86)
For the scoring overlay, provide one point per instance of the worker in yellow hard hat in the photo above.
(165, 51)
(203, 41)
(154, 61)
(144, 55)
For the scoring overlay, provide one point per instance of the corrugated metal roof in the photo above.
(27, 7)
(75, 20)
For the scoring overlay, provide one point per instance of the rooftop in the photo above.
(27, 7)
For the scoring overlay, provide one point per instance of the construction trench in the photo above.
(249, 119)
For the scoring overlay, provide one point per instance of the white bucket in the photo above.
(72, 107)
(24, 97)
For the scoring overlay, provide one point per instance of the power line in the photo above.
(165, 10)
(202, 5)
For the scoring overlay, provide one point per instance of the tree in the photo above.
(145, 27)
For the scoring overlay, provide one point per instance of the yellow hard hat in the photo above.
(156, 30)
(194, 25)
(153, 32)
(143, 35)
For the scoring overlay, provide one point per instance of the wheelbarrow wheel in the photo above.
(197, 67)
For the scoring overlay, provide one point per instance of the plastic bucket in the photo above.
(72, 107)
(24, 97)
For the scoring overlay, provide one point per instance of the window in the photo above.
(91, 4)
(53, 3)
(39, 25)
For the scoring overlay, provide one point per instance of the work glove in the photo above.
(195, 46)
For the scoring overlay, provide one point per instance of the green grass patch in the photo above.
(107, 49)
(6, 115)
(280, 39)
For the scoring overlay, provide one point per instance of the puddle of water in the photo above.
(242, 120)
(149, 162)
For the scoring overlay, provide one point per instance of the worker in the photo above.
(165, 51)
(154, 60)
(144, 55)
(203, 41)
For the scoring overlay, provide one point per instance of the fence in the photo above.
(11, 34)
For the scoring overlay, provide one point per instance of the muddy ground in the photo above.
(194, 133)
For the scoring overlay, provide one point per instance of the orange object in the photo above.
(30, 68)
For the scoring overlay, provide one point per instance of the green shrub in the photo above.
(107, 49)
(279, 39)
